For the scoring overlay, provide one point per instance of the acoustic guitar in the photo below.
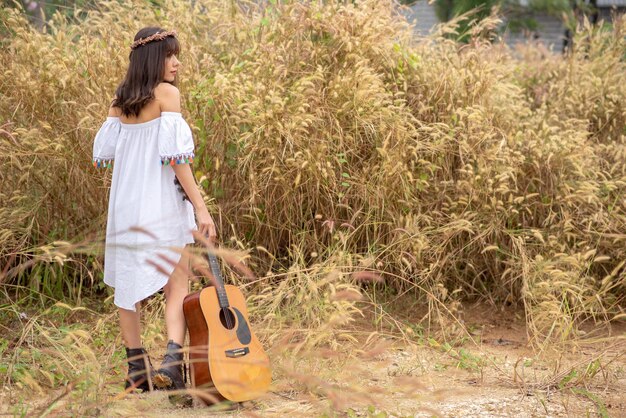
(227, 361)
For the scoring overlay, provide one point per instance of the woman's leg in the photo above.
(131, 326)
(175, 291)
(139, 366)
(170, 376)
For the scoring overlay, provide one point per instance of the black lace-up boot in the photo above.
(139, 370)
(172, 375)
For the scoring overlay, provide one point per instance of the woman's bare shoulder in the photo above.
(165, 89)
(114, 111)
(168, 97)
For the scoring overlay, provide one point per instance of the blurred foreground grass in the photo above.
(345, 160)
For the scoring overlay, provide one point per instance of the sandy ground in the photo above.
(403, 383)
(496, 375)
(414, 380)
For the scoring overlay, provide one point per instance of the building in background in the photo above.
(547, 27)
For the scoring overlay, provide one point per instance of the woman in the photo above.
(148, 214)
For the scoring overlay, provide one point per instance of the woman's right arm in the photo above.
(206, 226)
(169, 101)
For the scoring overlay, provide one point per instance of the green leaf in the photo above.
(572, 375)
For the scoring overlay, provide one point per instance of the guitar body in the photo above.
(199, 350)
(227, 360)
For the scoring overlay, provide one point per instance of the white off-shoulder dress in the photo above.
(147, 217)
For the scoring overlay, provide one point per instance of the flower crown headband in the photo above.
(159, 36)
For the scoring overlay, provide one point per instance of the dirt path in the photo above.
(418, 381)
(495, 375)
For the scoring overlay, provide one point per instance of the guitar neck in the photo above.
(219, 281)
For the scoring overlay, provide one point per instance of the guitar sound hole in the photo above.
(227, 318)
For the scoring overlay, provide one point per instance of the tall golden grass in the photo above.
(329, 139)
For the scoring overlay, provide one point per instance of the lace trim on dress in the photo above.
(186, 158)
(102, 162)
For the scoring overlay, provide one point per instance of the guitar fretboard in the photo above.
(219, 282)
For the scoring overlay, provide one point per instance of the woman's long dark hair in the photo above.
(145, 72)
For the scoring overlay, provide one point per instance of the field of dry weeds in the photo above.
(435, 227)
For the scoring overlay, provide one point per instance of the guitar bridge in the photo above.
(237, 352)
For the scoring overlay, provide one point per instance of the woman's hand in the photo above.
(206, 226)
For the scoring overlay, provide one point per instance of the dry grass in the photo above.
(338, 152)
